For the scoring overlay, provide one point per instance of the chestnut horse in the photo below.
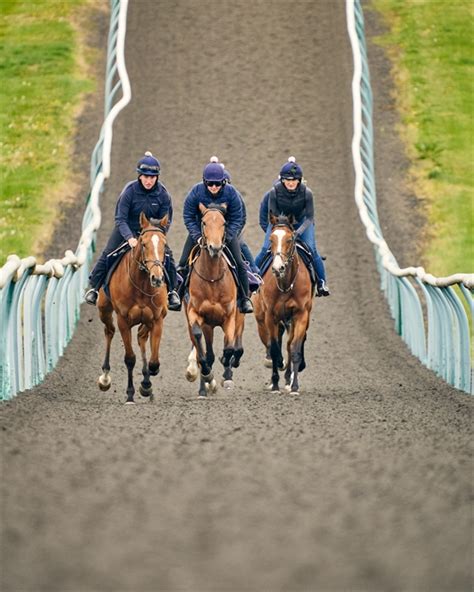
(138, 296)
(212, 303)
(284, 302)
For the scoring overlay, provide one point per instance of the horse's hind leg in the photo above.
(208, 332)
(130, 358)
(239, 348)
(300, 326)
(275, 352)
(145, 386)
(106, 316)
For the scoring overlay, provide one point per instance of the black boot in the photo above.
(245, 305)
(322, 289)
(91, 296)
(174, 301)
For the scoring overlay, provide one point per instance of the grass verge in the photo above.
(430, 44)
(44, 69)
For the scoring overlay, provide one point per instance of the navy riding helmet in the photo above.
(148, 165)
(291, 170)
(213, 172)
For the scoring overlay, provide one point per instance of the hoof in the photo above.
(191, 375)
(228, 384)
(104, 382)
(268, 363)
(287, 388)
(211, 387)
(129, 402)
(294, 392)
(145, 392)
(202, 397)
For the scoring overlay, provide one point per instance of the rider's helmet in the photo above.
(214, 171)
(226, 172)
(291, 170)
(148, 165)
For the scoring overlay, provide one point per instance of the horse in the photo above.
(212, 302)
(138, 296)
(283, 303)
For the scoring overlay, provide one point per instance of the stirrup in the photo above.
(91, 296)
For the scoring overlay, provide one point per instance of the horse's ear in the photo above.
(223, 207)
(203, 208)
(291, 220)
(143, 220)
(164, 221)
(273, 219)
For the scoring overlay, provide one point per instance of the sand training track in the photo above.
(363, 481)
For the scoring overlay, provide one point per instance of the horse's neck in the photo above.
(133, 270)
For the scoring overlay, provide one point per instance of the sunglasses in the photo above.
(214, 183)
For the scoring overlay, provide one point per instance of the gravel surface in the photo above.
(363, 482)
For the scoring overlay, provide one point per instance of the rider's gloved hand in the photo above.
(132, 242)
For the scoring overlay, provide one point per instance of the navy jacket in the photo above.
(281, 201)
(135, 199)
(199, 194)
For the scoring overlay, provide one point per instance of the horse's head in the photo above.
(282, 243)
(213, 227)
(150, 250)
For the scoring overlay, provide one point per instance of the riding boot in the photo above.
(183, 271)
(174, 301)
(243, 301)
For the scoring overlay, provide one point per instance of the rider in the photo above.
(246, 252)
(147, 194)
(288, 196)
(214, 189)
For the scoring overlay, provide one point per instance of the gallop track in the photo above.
(363, 481)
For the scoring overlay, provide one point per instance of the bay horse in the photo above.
(212, 302)
(283, 303)
(138, 296)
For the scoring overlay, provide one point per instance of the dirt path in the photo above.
(362, 482)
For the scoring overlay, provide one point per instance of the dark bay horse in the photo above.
(138, 296)
(283, 303)
(213, 303)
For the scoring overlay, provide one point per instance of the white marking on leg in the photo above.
(192, 370)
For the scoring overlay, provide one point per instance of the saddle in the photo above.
(254, 281)
(305, 255)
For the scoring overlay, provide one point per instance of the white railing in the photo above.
(39, 303)
(446, 347)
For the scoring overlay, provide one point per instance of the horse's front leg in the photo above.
(129, 359)
(295, 345)
(145, 389)
(106, 316)
(239, 347)
(229, 352)
(196, 334)
(275, 352)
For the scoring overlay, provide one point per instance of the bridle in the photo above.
(287, 259)
(142, 261)
(211, 209)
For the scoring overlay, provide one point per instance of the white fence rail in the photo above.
(39, 304)
(446, 346)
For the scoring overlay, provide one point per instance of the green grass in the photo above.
(431, 46)
(42, 75)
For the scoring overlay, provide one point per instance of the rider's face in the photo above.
(290, 184)
(147, 181)
(213, 188)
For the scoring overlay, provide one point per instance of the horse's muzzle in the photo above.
(214, 251)
(155, 281)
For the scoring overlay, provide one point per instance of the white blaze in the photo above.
(278, 261)
(155, 239)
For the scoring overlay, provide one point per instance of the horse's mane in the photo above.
(282, 220)
(219, 207)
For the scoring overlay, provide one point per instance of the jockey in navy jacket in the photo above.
(135, 198)
(223, 193)
(227, 195)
